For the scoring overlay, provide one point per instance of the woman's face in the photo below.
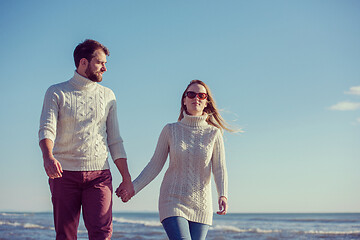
(195, 106)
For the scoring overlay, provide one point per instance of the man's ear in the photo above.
(84, 62)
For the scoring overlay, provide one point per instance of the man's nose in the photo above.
(104, 69)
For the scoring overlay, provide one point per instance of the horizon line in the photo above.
(155, 212)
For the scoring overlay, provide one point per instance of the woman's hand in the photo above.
(223, 206)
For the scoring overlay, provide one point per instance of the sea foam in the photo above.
(141, 222)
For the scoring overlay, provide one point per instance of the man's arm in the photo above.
(52, 166)
(126, 187)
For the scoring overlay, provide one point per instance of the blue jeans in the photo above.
(178, 228)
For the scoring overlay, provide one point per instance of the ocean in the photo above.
(39, 226)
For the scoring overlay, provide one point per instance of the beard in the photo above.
(92, 75)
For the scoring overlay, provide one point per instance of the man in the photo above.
(77, 127)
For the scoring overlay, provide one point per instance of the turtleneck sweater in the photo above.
(196, 149)
(80, 117)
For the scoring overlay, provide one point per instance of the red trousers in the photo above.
(91, 190)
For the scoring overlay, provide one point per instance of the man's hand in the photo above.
(53, 167)
(125, 191)
(222, 205)
(126, 188)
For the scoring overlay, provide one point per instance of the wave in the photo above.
(15, 224)
(332, 232)
(24, 225)
(324, 220)
(239, 230)
(270, 231)
(307, 220)
(14, 214)
(140, 222)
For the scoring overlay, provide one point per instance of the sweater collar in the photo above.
(82, 83)
(194, 121)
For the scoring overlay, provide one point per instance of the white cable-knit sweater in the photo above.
(196, 148)
(80, 117)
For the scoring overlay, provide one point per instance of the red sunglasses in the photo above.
(191, 95)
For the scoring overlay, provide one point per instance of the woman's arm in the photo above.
(156, 163)
(220, 172)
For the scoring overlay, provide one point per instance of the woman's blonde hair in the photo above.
(214, 118)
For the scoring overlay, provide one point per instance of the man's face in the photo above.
(96, 66)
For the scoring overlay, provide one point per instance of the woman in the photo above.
(196, 148)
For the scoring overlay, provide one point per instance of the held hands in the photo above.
(52, 167)
(125, 191)
(222, 205)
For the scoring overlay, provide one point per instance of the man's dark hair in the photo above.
(86, 50)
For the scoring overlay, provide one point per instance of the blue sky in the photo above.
(286, 72)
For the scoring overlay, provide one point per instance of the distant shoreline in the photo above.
(231, 213)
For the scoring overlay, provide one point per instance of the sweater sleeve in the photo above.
(115, 141)
(49, 115)
(219, 166)
(157, 162)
